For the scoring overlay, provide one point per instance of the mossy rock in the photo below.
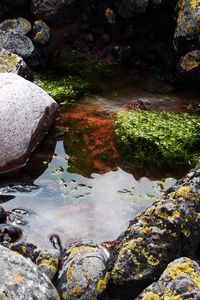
(159, 139)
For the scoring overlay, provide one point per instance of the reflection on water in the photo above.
(74, 206)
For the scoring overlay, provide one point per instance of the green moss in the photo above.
(64, 90)
(159, 139)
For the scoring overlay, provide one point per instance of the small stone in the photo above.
(48, 262)
(41, 32)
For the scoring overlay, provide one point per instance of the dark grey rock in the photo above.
(12, 63)
(18, 25)
(21, 279)
(83, 275)
(17, 43)
(26, 113)
(181, 280)
(40, 32)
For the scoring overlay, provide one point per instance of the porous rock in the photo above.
(26, 114)
(83, 275)
(167, 230)
(21, 279)
(12, 63)
(181, 280)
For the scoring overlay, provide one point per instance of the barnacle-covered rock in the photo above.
(188, 25)
(12, 63)
(83, 275)
(21, 279)
(17, 43)
(41, 32)
(180, 281)
(18, 25)
(189, 66)
(48, 262)
(167, 230)
(50, 9)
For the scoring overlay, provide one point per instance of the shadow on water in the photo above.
(77, 184)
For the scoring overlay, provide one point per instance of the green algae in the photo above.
(159, 139)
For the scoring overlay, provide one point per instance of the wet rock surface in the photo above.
(21, 279)
(12, 63)
(26, 113)
(82, 275)
(181, 280)
(165, 231)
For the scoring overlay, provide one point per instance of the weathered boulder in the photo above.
(21, 279)
(181, 280)
(167, 230)
(18, 25)
(49, 9)
(189, 66)
(12, 63)
(26, 114)
(83, 275)
(187, 32)
(40, 32)
(17, 43)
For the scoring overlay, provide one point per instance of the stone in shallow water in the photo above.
(26, 114)
(12, 63)
(83, 275)
(181, 280)
(21, 279)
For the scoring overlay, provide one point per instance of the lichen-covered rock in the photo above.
(26, 114)
(189, 66)
(25, 249)
(21, 279)
(49, 9)
(48, 262)
(18, 25)
(188, 25)
(40, 32)
(167, 230)
(12, 63)
(17, 43)
(83, 275)
(180, 281)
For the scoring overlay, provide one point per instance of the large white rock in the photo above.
(26, 114)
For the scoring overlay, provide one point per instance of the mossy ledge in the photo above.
(167, 230)
(159, 139)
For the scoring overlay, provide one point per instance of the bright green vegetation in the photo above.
(159, 139)
(64, 90)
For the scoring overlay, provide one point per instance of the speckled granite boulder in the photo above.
(40, 32)
(167, 230)
(12, 63)
(180, 281)
(17, 43)
(49, 9)
(188, 25)
(26, 114)
(18, 25)
(189, 66)
(83, 275)
(20, 279)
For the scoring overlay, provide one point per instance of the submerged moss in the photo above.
(64, 90)
(159, 139)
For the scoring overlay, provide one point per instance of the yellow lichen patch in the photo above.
(188, 64)
(18, 278)
(146, 230)
(184, 269)
(77, 250)
(52, 263)
(151, 296)
(23, 249)
(102, 283)
(77, 290)
(38, 37)
(69, 273)
(194, 3)
(184, 191)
